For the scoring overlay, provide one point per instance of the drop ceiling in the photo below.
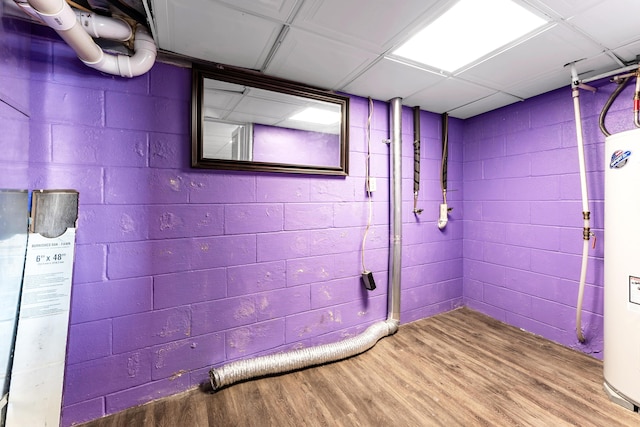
(346, 45)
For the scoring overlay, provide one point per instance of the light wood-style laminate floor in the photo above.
(455, 369)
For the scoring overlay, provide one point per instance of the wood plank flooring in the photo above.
(456, 369)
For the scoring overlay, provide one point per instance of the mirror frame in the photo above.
(261, 81)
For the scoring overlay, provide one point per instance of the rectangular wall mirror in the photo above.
(244, 120)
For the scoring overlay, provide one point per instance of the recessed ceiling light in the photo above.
(468, 31)
(316, 115)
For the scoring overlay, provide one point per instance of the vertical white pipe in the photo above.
(586, 233)
(395, 219)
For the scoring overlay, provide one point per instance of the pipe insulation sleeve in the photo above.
(585, 206)
(583, 277)
(285, 362)
(581, 163)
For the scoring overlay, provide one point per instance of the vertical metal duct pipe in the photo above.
(242, 370)
(395, 217)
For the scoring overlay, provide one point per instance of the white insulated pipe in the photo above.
(58, 15)
(586, 233)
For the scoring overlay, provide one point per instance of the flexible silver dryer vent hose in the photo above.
(285, 362)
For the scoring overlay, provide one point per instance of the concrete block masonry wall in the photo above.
(523, 214)
(180, 269)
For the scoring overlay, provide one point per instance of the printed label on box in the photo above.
(634, 289)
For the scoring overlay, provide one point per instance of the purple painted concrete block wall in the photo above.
(523, 213)
(177, 269)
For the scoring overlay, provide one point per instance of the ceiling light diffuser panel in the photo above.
(468, 31)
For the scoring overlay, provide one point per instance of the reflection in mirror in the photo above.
(245, 120)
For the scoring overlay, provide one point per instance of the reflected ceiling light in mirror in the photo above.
(317, 115)
(468, 31)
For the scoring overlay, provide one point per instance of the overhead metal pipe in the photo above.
(242, 370)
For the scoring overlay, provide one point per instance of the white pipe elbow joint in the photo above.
(145, 55)
(129, 66)
(102, 27)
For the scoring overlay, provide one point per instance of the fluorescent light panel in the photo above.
(316, 115)
(468, 31)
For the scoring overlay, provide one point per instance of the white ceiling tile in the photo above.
(276, 9)
(559, 78)
(344, 45)
(447, 95)
(317, 61)
(595, 65)
(483, 105)
(210, 31)
(540, 84)
(369, 24)
(542, 54)
(565, 8)
(613, 23)
(628, 52)
(390, 79)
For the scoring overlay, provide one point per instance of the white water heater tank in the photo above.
(622, 268)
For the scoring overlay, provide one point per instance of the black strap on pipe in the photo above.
(445, 150)
(416, 149)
